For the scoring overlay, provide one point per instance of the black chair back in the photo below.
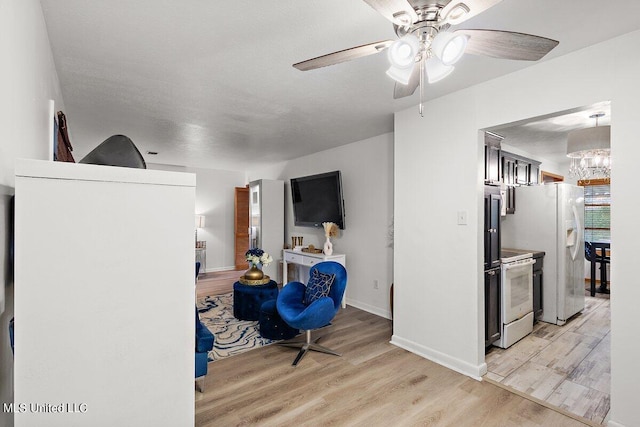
(588, 251)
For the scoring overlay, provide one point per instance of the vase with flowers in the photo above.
(330, 230)
(256, 257)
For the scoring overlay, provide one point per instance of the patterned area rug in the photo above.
(232, 336)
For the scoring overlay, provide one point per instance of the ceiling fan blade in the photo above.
(400, 90)
(458, 11)
(400, 12)
(343, 55)
(507, 44)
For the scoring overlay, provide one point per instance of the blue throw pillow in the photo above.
(319, 286)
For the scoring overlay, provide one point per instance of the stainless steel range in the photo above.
(516, 297)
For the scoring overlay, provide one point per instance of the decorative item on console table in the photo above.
(296, 243)
(330, 230)
(312, 249)
(254, 275)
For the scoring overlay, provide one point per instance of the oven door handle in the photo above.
(510, 266)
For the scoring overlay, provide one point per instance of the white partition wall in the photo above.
(104, 296)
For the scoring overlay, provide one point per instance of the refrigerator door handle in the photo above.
(578, 233)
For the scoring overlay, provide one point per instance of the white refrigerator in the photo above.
(266, 219)
(550, 218)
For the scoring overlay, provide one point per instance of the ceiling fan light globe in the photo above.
(402, 52)
(449, 47)
(454, 50)
(436, 70)
(401, 75)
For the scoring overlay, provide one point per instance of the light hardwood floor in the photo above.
(566, 366)
(216, 283)
(373, 384)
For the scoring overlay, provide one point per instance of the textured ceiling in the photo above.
(547, 136)
(210, 83)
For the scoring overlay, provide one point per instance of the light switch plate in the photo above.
(462, 217)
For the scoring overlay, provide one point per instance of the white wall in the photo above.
(106, 317)
(28, 81)
(437, 268)
(442, 317)
(367, 182)
(215, 192)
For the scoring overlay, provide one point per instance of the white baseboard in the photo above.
(369, 308)
(218, 269)
(460, 366)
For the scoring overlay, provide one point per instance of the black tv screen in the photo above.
(317, 199)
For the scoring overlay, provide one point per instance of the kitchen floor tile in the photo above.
(580, 400)
(567, 366)
(535, 380)
(595, 370)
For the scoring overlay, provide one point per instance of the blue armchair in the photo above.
(312, 306)
(204, 343)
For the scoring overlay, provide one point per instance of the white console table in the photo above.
(308, 259)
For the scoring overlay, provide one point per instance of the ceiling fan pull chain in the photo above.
(421, 85)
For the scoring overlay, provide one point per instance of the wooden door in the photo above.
(241, 227)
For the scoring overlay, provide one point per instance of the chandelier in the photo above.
(589, 151)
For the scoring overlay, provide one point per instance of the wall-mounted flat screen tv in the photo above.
(317, 199)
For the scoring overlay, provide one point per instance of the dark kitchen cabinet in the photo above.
(492, 202)
(538, 281)
(491, 306)
(511, 199)
(492, 205)
(534, 173)
(517, 171)
(509, 174)
(492, 158)
(522, 172)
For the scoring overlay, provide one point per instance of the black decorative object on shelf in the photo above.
(117, 150)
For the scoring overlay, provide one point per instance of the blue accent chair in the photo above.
(315, 315)
(204, 343)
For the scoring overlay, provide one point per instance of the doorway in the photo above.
(241, 226)
(564, 367)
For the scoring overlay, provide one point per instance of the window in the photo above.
(597, 209)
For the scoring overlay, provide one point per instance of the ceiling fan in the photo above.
(426, 49)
